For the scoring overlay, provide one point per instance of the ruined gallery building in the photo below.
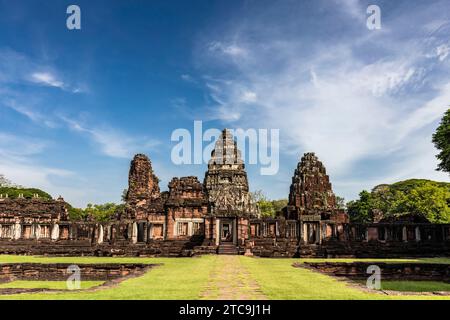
(216, 216)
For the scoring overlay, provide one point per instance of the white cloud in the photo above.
(442, 52)
(352, 8)
(32, 115)
(16, 163)
(112, 142)
(249, 96)
(345, 102)
(230, 49)
(48, 79)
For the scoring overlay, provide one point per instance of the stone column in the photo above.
(109, 236)
(17, 231)
(305, 232)
(217, 231)
(134, 232)
(404, 235)
(55, 232)
(190, 228)
(145, 236)
(149, 232)
(417, 234)
(235, 233)
(100, 234)
(38, 231)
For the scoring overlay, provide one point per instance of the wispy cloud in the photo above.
(16, 162)
(30, 113)
(47, 79)
(18, 68)
(349, 100)
(112, 143)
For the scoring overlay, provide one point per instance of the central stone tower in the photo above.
(226, 181)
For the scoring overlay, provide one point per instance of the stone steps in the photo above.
(230, 249)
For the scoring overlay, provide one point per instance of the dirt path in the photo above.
(230, 280)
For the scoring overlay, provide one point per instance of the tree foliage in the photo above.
(340, 203)
(428, 199)
(441, 140)
(97, 212)
(268, 208)
(14, 190)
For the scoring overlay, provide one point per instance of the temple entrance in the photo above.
(141, 232)
(226, 231)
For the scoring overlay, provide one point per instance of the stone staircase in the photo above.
(228, 248)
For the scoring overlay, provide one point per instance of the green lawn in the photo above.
(187, 278)
(59, 285)
(177, 278)
(415, 286)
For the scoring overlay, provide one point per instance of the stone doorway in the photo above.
(141, 232)
(226, 231)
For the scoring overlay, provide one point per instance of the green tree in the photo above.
(5, 182)
(267, 207)
(76, 214)
(97, 212)
(441, 140)
(279, 204)
(429, 199)
(361, 210)
(124, 195)
(340, 203)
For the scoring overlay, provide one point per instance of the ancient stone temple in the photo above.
(216, 216)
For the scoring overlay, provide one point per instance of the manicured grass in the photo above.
(59, 285)
(415, 286)
(187, 278)
(279, 280)
(177, 278)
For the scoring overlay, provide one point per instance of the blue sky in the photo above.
(76, 105)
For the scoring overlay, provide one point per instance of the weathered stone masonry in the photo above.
(216, 216)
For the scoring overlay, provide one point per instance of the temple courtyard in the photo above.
(223, 277)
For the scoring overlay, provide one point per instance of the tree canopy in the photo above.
(424, 198)
(441, 140)
(268, 208)
(97, 212)
(13, 190)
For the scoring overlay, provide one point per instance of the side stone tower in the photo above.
(142, 182)
(226, 181)
(311, 191)
(143, 196)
